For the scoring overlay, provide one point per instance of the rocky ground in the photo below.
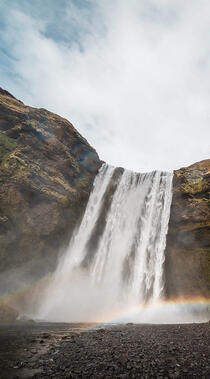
(33, 350)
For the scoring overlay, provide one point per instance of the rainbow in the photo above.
(165, 307)
(172, 311)
(199, 304)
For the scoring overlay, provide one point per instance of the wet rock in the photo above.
(46, 335)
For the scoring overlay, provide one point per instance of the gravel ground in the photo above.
(45, 350)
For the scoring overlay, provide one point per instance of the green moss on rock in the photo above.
(194, 186)
(7, 145)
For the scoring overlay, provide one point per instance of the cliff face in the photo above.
(46, 174)
(188, 241)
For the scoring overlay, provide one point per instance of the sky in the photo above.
(132, 76)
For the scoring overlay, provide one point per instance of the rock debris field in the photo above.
(49, 350)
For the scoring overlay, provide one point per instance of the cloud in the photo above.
(133, 77)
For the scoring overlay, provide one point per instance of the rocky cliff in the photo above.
(46, 174)
(188, 241)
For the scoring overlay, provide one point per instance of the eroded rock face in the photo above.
(188, 241)
(46, 173)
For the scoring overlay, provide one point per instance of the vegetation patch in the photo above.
(7, 145)
(194, 186)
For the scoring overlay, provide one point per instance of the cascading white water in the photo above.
(115, 259)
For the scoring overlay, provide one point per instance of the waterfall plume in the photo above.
(115, 259)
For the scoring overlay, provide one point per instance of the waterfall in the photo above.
(115, 259)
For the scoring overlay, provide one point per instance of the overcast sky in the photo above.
(133, 76)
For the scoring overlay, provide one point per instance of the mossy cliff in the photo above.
(187, 266)
(46, 174)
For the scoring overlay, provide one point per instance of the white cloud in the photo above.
(136, 84)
